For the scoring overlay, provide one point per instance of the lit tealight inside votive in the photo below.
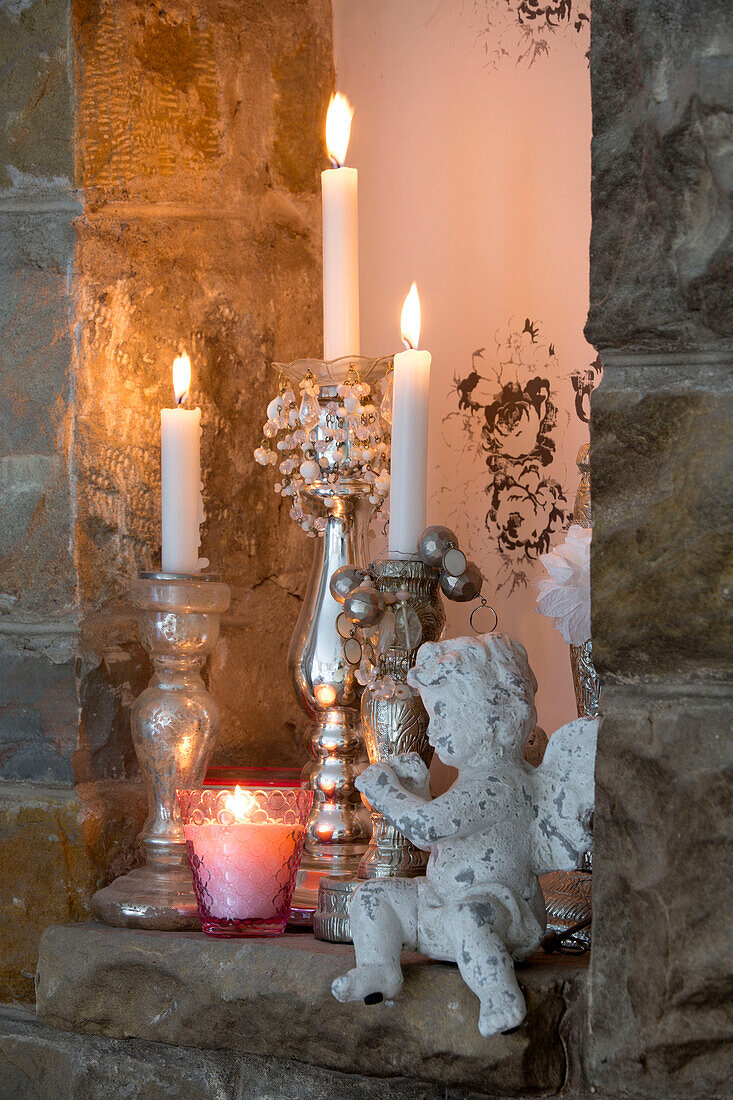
(244, 849)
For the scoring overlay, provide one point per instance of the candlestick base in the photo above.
(150, 897)
(331, 918)
(174, 725)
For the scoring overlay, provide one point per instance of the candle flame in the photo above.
(410, 320)
(240, 804)
(181, 377)
(338, 128)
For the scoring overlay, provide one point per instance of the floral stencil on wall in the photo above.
(523, 30)
(504, 422)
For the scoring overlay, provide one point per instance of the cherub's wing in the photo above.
(563, 791)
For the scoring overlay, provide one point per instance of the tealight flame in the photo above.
(338, 128)
(240, 804)
(325, 694)
(410, 319)
(181, 377)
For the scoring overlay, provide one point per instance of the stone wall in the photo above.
(661, 452)
(159, 188)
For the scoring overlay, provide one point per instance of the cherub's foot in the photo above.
(491, 1020)
(368, 983)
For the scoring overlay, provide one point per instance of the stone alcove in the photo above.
(83, 216)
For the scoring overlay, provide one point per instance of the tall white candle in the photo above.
(182, 509)
(340, 238)
(409, 468)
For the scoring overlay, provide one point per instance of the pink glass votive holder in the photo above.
(244, 848)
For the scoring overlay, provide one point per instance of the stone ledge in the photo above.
(39, 1063)
(271, 998)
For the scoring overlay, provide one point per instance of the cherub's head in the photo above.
(479, 694)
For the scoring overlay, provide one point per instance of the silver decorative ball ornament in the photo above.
(433, 544)
(465, 587)
(364, 606)
(344, 581)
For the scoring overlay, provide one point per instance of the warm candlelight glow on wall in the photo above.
(240, 804)
(410, 319)
(181, 377)
(338, 128)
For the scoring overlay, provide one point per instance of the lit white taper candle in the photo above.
(182, 509)
(409, 470)
(340, 238)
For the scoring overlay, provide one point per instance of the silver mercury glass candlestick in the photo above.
(174, 726)
(334, 427)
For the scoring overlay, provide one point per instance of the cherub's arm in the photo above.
(424, 822)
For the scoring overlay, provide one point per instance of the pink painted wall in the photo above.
(474, 179)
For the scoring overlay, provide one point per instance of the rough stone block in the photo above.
(35, 92)
(202, 95)
(272, 997)
(107, 691)
(35, 353)
(40, 1063)
(661, 962)
(662, 237)
(58, 846)
(661, 570)
(38, 718)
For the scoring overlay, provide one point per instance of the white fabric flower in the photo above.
(565, 594)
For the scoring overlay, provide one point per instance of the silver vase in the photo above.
(338, 827)
(174, 726)
(325, 685)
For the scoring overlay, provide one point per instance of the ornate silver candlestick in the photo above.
(392, 725)
(331, 446)
(399, 724)
(174, 726)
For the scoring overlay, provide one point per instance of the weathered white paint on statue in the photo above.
(500, 825)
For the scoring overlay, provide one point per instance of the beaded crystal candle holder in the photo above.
(325, 423)
(327, 433)
(174, 726)
(244, 848)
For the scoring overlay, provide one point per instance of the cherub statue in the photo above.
(500, 825)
